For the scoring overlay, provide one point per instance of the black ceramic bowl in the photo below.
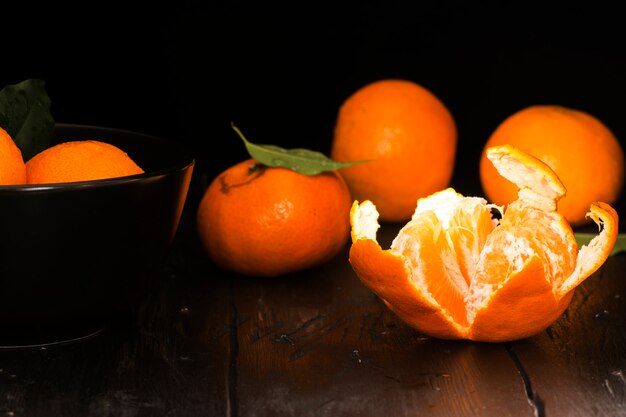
(73, 255)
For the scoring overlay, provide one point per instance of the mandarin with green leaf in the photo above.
(286, 211)
(269, 221)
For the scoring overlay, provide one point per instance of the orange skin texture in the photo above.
(409, 137)
(583, 152)
(273, 221)
(79, 161)
(12, 167)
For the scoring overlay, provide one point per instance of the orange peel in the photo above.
(457, 271)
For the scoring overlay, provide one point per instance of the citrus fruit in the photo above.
(79, 160)
(583, 152)
(12, 169)
(268, 221)
(456, 271)
(409, 137)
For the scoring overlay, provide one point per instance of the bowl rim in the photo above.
(181, 166)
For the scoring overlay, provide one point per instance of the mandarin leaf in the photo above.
(303, 161)
(25, 115)
(585, 238)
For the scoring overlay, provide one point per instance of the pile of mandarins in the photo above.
(76, 160)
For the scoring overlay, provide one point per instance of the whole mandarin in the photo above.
(268, 221)
(582, 150)
(79, 160)
(12, 168)
(408, 135)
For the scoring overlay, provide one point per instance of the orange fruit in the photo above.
(80, 160)
(583, 152)
(455, 271)
(408, 135)
(12, 169)
(269, 221)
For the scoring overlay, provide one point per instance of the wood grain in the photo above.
(320, 343)
(205, 342)
(581, 359)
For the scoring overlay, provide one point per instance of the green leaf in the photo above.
(303, 161)
(585, 238)
(25, 115)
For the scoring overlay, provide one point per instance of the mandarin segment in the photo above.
(456, 271)
(523, 307)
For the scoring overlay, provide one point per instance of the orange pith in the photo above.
(12, 168)
(263, 221)
(79, 160)
(453, 271)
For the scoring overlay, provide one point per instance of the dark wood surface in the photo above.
(210, 343)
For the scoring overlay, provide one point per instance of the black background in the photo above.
(186, 70)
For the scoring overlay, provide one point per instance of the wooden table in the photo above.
(318, 343)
